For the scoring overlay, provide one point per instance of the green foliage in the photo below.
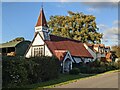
(43, 69)
(77, 26)
(117, 50)
(14, 73)
(84, 69)
(74, 71)
(98, 67)
(19, 39)
(18, 71)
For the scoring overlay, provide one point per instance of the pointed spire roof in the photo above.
(41, 19)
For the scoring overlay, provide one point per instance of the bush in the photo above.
(44, 69)
(117, 65)
(85, 69)
(14, 73)
(20, 71)
(96, 63)
(97, 67)
(101, 69)
(74, 71)
(92, 70)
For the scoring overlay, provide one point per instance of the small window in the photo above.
(38, 51)
(42, 52)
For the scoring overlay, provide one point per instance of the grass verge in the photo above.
(85, 76)
(63, 79)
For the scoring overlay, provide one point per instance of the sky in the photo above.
(19, 18)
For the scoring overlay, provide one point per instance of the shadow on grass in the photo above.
(63, 78)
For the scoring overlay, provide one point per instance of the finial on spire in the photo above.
(42, 5)
(41, 19)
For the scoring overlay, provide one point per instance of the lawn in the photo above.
(63, 79)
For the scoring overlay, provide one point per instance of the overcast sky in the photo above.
(19, 19)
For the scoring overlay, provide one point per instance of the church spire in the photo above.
(41, 26)
(41, 19)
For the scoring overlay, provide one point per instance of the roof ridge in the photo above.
(65, 38)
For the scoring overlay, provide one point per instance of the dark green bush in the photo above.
(74, 71)
(45, 68)
(101, 69)
(117, 65)
(96, 63)
(14, 73)
(98, 67)
(92, 70)
(20, 71)
(84, 69)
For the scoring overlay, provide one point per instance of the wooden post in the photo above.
(6, 51)
(71, 65)
(15, 50)
(63, 67)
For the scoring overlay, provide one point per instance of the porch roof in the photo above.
(9, 44)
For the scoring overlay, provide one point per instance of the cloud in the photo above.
(102, 26)
(116, 23)
(91, 10)
(60, 5)
(110, 34)
(101, 4)
(64, 0)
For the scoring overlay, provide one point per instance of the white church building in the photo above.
(67, 50)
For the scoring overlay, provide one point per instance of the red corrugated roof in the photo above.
(99, 45)
(58, 38)
(107, 46)
(108, 55)
(60, 54)
(76, 48)
(41, 19)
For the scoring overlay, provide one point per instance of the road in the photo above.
(107, 80)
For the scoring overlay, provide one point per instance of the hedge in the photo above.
(97, 67)
(74, 71)
(18, 71)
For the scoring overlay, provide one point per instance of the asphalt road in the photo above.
(107, 80)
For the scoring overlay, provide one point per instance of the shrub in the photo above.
(46, 68)
(74, 71)
(101, 69)
(92, 70)
(84, 69)
(13, 73)
(20, 71)
(96, 63)
(118, 65)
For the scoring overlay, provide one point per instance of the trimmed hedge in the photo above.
(18, 71)
(74, 71)
(97, 67)
(42, 69)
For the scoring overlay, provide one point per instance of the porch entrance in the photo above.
(67, 65)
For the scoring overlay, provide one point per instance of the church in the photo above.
(68, 51)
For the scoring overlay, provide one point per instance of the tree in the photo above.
(117, 50)
(18, 39)
(76, 26)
